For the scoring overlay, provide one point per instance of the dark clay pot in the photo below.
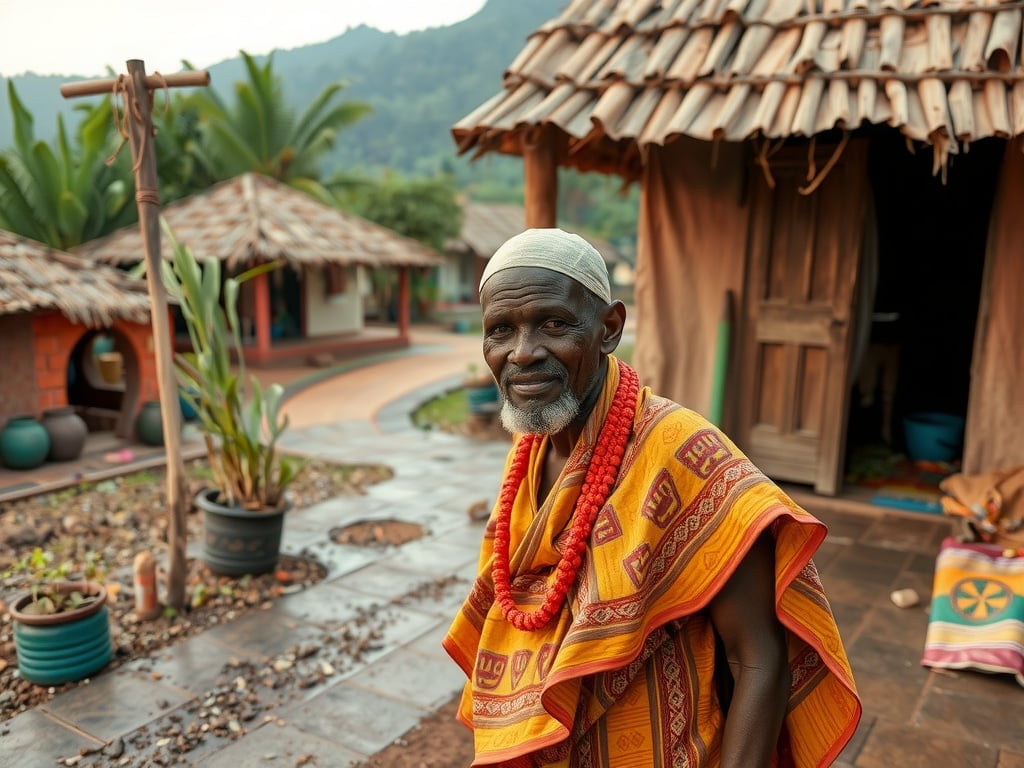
(67, 646)
(237, 541)
(148, 424)
(67, 431)
(24, 443)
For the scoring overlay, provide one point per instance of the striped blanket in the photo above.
(977, 611)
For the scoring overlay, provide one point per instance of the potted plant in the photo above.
(241, 422)
(61, 625)
(481, 391)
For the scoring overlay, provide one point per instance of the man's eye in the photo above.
(556, 325)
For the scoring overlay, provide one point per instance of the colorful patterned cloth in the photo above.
(623, 676)
(977, 613)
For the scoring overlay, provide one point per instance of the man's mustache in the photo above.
(540, 369)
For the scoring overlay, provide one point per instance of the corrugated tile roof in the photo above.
(617, 76)
(253, 218)
(35, 277)
(486, 226)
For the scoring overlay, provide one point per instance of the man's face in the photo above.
(543, 340)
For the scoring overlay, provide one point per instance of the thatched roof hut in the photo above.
(252, 218)
(486, 226)
(35, 277)
(777, 143)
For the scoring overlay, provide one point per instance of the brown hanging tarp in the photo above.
(692, 237)
(994, 437)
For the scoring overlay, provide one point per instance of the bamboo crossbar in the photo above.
(153, 82)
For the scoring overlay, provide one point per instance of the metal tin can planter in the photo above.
(63, 647)
(24, 443)
(238, 541)
(67, 432)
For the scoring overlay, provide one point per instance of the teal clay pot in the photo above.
(63, 647)
(24, 443)
(148, 424)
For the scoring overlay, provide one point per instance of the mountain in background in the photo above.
(419, 84)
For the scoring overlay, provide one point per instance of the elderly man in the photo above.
(646, 596)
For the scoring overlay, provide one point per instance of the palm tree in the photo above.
(260, 133)
(66, 194)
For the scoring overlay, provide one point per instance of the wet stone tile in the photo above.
(285, 745)
(359, 720)
(869, 565)
(32, 739)
(412, 678)
(889, 678)
(907, 534)
(892, 744)
(194, 665)
(114, 704)
(429, 644)
(263, 634)
(984, 719)
(329, 604)
(434, 556)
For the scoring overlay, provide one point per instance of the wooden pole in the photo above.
(141, 136)
(540, 168)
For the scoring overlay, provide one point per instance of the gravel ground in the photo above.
(99, 527)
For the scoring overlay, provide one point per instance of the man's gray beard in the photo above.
(548, 419)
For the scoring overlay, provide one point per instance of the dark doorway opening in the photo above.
(931, 243)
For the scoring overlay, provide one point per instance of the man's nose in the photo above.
(525, 349)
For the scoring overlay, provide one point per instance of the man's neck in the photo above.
(563, 442)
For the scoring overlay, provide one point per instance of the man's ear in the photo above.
(614, 324)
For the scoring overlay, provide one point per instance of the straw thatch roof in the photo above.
(252, 219)
(618, 76)
(35, 277)
(486, 226)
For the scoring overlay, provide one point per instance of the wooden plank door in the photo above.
(798, 318)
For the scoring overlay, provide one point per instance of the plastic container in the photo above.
(933, 436)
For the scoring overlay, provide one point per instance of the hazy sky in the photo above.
(83, 37)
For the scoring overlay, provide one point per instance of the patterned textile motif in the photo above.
(623, 676)
(977, 610)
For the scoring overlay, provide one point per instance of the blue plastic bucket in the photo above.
(933, 436)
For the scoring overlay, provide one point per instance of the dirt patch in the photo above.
(380, 533)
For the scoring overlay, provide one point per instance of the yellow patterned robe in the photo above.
(623, 677)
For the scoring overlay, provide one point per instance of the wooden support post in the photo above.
(404, 300)
(138, 93)
(264, 316)
(540, 168)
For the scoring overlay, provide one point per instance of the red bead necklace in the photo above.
(597, 485)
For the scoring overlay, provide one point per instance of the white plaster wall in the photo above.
(337, 314)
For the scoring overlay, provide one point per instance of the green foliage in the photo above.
(448, 409)
(65, 194)
(259, 132)
(45, 572)
(424, 209)
(241, 429)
